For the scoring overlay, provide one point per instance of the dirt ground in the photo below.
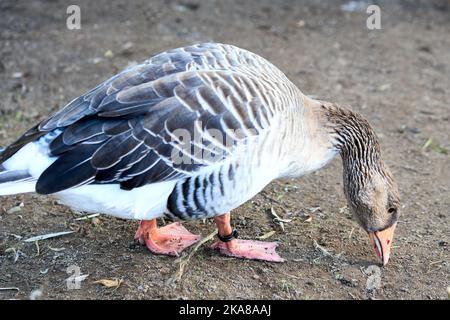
(398, 77)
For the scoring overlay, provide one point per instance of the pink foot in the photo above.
(169, 240)
(248, 249)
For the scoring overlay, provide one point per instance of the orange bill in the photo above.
(382, 241)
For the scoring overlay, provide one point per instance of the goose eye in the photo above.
(392, 210)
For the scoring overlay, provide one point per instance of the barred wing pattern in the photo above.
(125, 130)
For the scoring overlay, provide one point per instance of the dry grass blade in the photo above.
(427, 144)
(279, 220)
(184, 262)
(430, 144)
(79, 278)
(351, 233)
(56, 249)
(48, 236)
(38, 249)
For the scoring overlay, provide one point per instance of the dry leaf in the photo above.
(267, 235)
(110, 283)
(15, 209)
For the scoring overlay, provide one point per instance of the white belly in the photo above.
(144, 203)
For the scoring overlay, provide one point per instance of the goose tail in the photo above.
(15, 181)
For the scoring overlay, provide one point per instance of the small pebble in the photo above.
(109, 54)
(36, 294)
(443, 243)
(17, 75)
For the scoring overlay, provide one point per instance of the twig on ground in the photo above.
(267, 197)
(184, 262)
(10, 288)
(88, 217)
(324, 251)
(327, 253)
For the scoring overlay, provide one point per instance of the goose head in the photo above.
(373, 199)
(369, 186)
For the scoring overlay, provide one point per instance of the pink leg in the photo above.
(248, 249)
(169, 240)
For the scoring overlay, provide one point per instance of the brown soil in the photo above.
(398, 77)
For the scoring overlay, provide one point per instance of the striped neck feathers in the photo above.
(369, 186)
(354, 137)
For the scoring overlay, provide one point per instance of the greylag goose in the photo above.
(193, 133)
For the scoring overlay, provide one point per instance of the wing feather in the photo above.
(127, 129)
